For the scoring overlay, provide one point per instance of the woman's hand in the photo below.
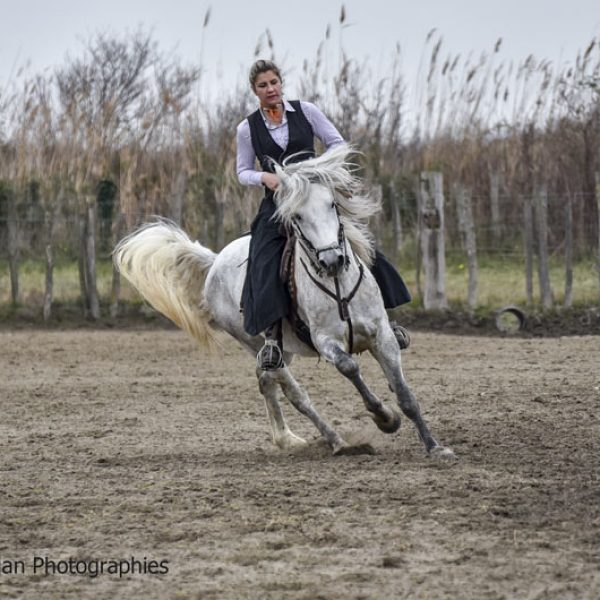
(270, 180)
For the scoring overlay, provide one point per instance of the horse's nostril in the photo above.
(340, 260)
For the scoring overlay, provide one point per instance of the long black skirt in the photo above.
(265, 298)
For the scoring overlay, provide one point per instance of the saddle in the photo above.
(286, 274)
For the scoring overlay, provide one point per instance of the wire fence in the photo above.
(509, 249)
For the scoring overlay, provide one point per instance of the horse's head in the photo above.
(319, 231)
(317, 197)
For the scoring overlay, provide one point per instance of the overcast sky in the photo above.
(43, 31)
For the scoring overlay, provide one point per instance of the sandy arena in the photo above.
(121, 444)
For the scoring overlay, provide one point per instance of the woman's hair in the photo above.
(262, 66)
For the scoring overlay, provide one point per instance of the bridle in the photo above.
(313, 255)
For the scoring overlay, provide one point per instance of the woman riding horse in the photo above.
(277, 131)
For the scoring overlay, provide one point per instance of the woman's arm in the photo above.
(246, 157)
(323, 128)
(246, 160)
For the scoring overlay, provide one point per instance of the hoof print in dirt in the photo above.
(393, 562)
(355, 450)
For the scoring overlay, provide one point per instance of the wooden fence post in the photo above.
(569, 252)
(115, 288)
(376, 224)
(49, 284)
(81, 261)
(432, 239)
(13, 248)
(597, 175)
(579, 223)
(49, 279)
(418, 258)
(495, 206)
(396, 218)
(541, 213)
(90, 245)
(87, 261)
(466, 227)
(528, 243)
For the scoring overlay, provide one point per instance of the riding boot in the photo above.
(401, 334)
(270, 356)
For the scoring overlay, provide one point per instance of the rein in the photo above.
(313, 253)
(342, 303)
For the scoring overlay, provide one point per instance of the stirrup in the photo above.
(401, 334)
(270, 356)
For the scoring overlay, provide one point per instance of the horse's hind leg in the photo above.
(385, 418)
(387, 354)
(301, 401)
(283, 437)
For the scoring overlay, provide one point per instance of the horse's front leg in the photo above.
(384, 417)
(387, 354)
(301, 401)
(283, 436)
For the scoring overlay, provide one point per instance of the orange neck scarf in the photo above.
(275, 114)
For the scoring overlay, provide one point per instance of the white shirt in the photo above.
(322, 127)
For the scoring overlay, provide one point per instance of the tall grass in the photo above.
(126, 112)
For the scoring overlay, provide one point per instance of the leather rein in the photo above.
(342, 302)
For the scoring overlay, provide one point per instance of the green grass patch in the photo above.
(66, 290)
(501, 281)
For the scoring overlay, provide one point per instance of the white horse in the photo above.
(337, 296)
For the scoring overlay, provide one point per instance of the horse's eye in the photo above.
(297, 218)
(333, 205)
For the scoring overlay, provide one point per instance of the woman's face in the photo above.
(267, 87)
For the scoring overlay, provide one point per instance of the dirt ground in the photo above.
(121, 444)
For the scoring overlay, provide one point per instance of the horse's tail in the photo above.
(169, 271)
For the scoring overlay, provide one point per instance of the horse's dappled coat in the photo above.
(200, 290)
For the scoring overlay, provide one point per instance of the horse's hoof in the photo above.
(339, 447)
(391, 425)
(441, 453)
(291, 442)
(354, 449)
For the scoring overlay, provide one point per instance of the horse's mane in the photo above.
(334, 171)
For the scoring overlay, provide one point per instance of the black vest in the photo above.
(301, 144)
